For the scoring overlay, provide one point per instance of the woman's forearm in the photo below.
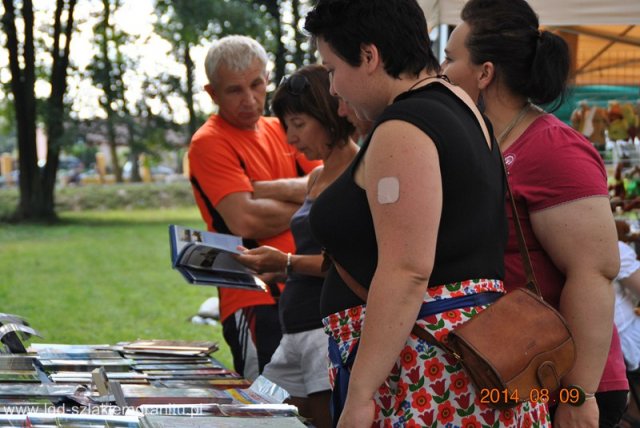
(392, 308)
(587, 305)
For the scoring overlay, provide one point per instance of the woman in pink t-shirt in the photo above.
(502, 59)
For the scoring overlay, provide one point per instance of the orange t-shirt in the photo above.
(224, 160)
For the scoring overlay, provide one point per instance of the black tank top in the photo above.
(473, 227)
(299, 304)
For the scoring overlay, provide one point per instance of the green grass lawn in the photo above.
(102, 277)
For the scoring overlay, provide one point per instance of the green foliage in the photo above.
(103, 277)
(189, 22)
(8, 137)
(79, 149)
(124, 196)
(8, 202)
(107, 69)
(95, 197)
(7, 116)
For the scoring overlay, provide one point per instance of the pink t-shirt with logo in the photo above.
(548, 165)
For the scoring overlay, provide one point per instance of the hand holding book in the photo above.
(208, 258)
(263, 259)
(273, 264)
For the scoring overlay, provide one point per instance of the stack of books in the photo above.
(145, 383)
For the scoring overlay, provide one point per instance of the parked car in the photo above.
(159, 173)
(13, 181)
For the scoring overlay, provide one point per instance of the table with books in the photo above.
(146, 383)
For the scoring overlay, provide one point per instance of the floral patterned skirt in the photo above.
(427, 387)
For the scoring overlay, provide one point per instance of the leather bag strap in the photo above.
(359, 290)
(353, 284)
(531, 283)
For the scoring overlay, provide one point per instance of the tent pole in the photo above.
(443, 37)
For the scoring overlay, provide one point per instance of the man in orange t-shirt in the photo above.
(246, 181)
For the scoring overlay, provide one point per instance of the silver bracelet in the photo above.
(289, 267)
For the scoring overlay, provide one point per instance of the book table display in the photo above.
(147, 383)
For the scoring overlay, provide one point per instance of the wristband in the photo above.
(289, 266)
(582, 395)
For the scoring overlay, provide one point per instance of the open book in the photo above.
(206, 258)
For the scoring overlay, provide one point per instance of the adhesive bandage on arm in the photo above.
(388, 190)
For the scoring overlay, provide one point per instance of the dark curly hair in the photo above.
(314, 100)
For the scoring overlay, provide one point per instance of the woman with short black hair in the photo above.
(417, 219)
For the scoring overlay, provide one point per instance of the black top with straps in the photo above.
(473, 227)
(299, 305)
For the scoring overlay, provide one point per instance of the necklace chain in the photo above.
(504, 134)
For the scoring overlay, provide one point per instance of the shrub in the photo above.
(110, 197)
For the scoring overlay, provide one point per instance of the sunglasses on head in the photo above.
(295, 84)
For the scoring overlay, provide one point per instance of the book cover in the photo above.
(19, 376)
(36, 390)
(17, 362)
(86, 377)
(45, 419)
(65, 348)
(156, 419)
(170, 347)
(177, 367)
(221, 383)
(79, 355)
(237, 415)
(136, 395)
(206, 258)
(110, 364)
(181, 375)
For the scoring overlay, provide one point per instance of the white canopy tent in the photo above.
(603, 34)
(551, 12)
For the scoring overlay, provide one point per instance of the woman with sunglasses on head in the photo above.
(417, 219)
(507, 64)
(309, 114)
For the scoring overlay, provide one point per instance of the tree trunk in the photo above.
(193, 120)
(134, 149)
(55, 104)
(299, 55)
(22, 88)
(188, 62)
(37, 185)
(281, 61)
(135, 167)
(111, 132)
(110, 97)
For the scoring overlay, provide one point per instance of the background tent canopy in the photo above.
(604, 34)
(551, 12)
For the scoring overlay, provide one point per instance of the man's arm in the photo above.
(282, 189)
(255, 218)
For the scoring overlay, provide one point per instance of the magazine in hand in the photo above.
(206, 258)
